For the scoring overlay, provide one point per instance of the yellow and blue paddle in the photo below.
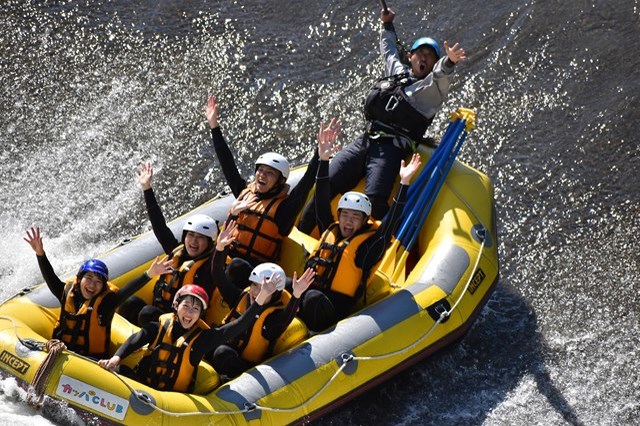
(424, 191)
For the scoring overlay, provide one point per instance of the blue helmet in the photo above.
(426, 41)
(96, 266)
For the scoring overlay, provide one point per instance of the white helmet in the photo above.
(267, 270)
(276, 161)
(355, 201)
(201, 224)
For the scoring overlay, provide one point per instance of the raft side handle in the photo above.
(481, 234)
(143, 397)
(33, 344)
(440, 310)
(346, 357)
(26, 291)
(347, 362)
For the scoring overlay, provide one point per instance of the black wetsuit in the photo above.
(226, 359)
(136, 310)
(316, 312)
(207, 340)
(289, 209)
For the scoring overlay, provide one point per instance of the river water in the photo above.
(90, 89)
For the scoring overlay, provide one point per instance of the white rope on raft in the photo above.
(346, 358)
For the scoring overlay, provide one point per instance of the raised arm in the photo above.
(225, 157)
(291, 207)
(372, 250)
(163, 233)
(388, 49)
(230, 293)
(34, 239)
(216, 336)
(278, 321)
(157, 268)
(327, 146)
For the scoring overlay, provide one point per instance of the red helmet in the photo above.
(192, 290)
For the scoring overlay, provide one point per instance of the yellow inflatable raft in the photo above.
(431, 301)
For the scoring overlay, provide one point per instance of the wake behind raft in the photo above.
(430, 287)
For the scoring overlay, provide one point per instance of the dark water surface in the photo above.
(90, 89)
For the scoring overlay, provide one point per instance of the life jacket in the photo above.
(165, 364)
(388, 104)
(258, 238)
(84, 330)
(168, 285)
(217, 309)
(251, 344)
(335, 261)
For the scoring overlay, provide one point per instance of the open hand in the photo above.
(268, 288)
(35, 240)
(455, 53)
(407, 171)
(301, 285)
(159, 267)
(227, 235)
(211, 111)
(145, 174)
(241, 204)
(327, 139)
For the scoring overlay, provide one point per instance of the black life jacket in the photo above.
(388, 104)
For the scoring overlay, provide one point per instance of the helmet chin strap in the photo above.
(273, 191)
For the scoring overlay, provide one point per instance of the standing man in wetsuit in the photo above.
(398, 109)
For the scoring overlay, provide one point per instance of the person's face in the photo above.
(266, 178)
(195, 243)
(189, 311)
(350, 221)
(254, 290)
(91, 285)
(422, 61)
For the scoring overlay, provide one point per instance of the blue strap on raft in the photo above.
(423, 191)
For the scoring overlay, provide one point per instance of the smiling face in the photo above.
(266, 178)
(254, 290)
(91, 285)
(350, 221)
(195, 243)
(189, 311)
(422, 61)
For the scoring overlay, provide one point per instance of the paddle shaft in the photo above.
(413, 226)
(419, 191)
(448, 162)
(384, 6)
